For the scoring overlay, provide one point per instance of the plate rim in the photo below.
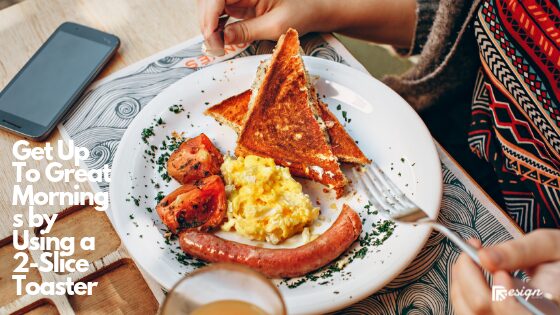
(335, 304)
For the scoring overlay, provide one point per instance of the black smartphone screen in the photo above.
(55, 76)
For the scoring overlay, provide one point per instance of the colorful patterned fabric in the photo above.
(516, 110)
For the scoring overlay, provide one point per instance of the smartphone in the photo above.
(35, 100)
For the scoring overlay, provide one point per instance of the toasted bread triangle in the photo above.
(343, 146)
(232, 111)
(283, 122)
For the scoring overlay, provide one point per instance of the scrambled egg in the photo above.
(264, 202)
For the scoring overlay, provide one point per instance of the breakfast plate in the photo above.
(385, 127)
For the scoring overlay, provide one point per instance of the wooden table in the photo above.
(144, 27)
(25, 26)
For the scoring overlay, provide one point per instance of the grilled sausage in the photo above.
(280, 262)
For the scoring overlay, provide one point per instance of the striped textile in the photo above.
(515, 108)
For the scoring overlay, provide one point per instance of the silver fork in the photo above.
(391, 202)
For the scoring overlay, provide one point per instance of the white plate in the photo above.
(386, 127)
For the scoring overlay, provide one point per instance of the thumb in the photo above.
(261, 27)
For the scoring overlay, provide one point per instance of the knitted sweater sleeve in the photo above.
(448, 54)
(425, 15)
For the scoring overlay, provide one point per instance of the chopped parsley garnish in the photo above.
(189, 260)
(177, 108)
(147, 133)
(345, 116)
(136, 200)
(168, 145)
(160, 196)
(370, 210)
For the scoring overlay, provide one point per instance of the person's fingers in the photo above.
(242, 3)
(209, 12)
(545, 277)
(474, 242)
(509, 305)
(200, 4)
(460, 306)
(267, 26)
(540, 246)
(240, 13)
(473, 286)
(530, 271)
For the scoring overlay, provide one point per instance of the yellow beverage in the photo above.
(230, 307)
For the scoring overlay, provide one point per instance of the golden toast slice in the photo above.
(343, 146)
(232, 111)
(282, 121)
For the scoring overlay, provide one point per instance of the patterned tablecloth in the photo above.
(104, 112)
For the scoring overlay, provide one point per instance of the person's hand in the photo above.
(538, 253)
(261, 19)
(386, 21)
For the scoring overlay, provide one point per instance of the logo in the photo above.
(500, 293)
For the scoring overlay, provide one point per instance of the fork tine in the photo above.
(371, 185)
(379, 195)
(394, 190)
(384, 190)
(380, 188)
(382, 177)
(369, 193)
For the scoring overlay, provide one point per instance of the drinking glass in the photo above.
(226, 284)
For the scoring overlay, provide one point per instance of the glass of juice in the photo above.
(224, 288)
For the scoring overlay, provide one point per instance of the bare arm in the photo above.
(385, 21)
